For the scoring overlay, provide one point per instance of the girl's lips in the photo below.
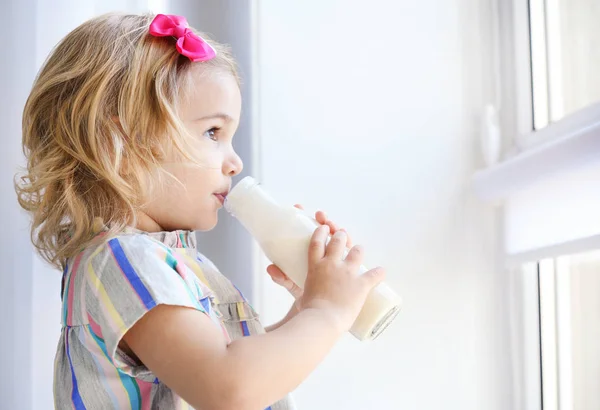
(221, 197)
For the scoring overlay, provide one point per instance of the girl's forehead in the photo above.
(210, 92)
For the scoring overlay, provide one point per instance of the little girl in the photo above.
(128, 135)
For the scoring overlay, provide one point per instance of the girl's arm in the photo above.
(188, 353)
(290, 314)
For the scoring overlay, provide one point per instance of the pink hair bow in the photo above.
(188, 43)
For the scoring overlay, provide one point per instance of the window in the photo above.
(565, 57)
(549, 185)
(551, 56)
(569, 301)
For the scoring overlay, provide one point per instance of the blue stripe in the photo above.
(244, 297)
(65, 303)
(239, 291)
(100, 343)
(245, 328)
(127, 381)
(96, 359)
(75, 396)
(131, 275)
(205, 304)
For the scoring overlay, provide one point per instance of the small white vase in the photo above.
(491, 139)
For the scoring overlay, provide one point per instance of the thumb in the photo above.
(373, 277)
(276, 274)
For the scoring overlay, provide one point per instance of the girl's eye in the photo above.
(212, 134)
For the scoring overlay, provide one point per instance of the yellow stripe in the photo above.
(116, 318)
(122, 395)
(103, 296)
(195, 267)
(241, 311)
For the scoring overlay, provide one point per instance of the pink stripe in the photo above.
(104, 309)
(145, 393)
(71, 289)
(225, 334)
(106, 314)
(95, 326)
(108, 373)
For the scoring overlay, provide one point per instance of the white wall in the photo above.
(369, 110)
(16, 73)
(45, 298)
(395, 89)
(29, 288)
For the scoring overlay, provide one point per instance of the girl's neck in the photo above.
(147, 224)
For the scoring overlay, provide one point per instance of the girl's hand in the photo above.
(279, 277)
(334, 285)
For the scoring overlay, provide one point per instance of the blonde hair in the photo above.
(95, 126)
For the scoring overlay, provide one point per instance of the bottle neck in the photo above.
(255, 208)
(263, 217)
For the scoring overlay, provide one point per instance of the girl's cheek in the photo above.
(210, 156)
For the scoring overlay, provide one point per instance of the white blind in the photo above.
(557, 210)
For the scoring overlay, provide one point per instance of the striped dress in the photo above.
(107, 288)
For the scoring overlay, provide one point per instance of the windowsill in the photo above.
(572, 247)
(578, 146)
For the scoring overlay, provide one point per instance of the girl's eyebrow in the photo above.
(220, 115)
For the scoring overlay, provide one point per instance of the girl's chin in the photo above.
(207, 223)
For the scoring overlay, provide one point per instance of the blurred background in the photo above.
(459, 140)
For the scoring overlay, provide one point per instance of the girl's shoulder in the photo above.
(130, 268)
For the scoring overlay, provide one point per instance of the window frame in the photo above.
(529, 154)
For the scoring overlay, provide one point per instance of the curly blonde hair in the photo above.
(95, 126)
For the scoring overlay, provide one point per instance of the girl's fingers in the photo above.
(281, 279)
(321, 217)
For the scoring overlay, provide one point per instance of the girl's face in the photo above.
(211, 114)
